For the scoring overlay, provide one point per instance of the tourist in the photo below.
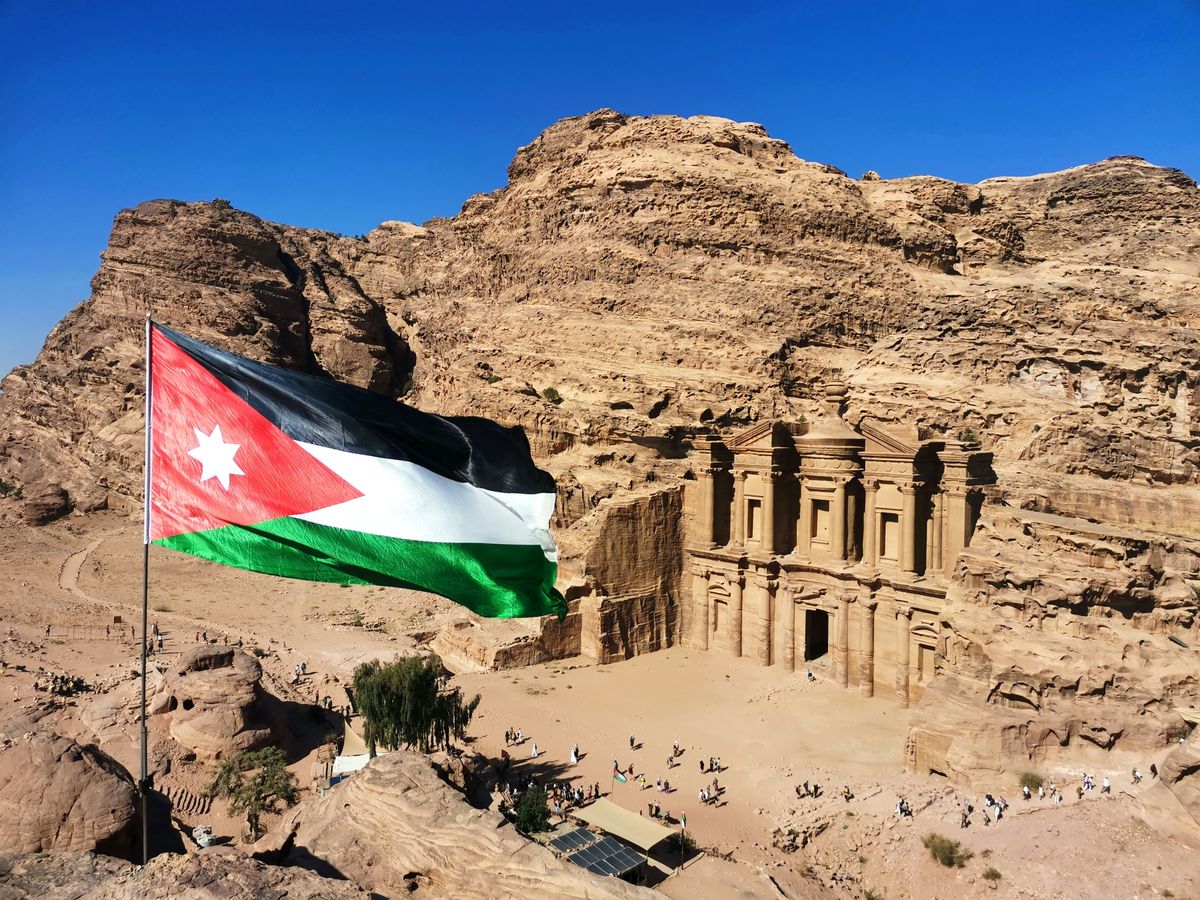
(712, 764)
(1153, 770)
(719, 769)
(1078, 792)
(846, 795)
(574, 756)
(533, 753)
(160, 643)
(632, 743)
(1042, 791)
(1057, 798)
(670, 761)
(716, 788)
(520, 736)
(810, 675)
(701, 767)
(1025, 791)
(1137, 776)
(964, 820)
(596, 791)
(701, 794)
(1106, 786)
(658, 785)
(642, 781)
(676, 753)
(666, 789)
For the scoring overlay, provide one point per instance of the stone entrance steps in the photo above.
(188, 803)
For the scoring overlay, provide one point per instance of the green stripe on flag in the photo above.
(494, 580)
(621, 778)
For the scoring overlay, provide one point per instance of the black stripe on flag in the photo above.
(328, 413)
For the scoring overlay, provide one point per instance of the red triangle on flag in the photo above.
(216, 461)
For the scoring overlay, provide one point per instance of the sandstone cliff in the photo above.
(396, 827)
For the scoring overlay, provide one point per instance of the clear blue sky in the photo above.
(340, 115)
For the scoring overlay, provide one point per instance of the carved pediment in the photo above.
(881, 441)
(757, 437)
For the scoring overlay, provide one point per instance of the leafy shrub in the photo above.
(949, 853)
(221, 203)
(552, 395)
(532, 811)
(403, 704)
(255, 783)
(968, 435)
(991, 874)
(492, 379)
(1031, 780)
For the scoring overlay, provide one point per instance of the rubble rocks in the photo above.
(50, 503)
(212, 695)
(56, 795)
(396, 824)
(60, 684)
(215, 874)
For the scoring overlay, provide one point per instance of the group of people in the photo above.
(710, 793)
(993, 810)
(808, 790)
(714, 765)
(514, 736)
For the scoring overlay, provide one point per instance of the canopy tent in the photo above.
(629, 826)
(352, 743)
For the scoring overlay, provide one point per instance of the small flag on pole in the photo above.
(620, 777)
(290, 474)
(682, 819)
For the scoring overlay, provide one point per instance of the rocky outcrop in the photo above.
(1057, 638)
(211, 874)
(1173, 804)
(58, 796)
(211, 694)
(396, 827)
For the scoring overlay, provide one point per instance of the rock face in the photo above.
(1058, 639)
(58, 796)
(643, 279)
(211, 694)
(396, 827)
(1173, 805)
(216, 873)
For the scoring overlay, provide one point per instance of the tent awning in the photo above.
(352, 742)
(629, 826)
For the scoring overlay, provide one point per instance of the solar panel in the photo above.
(608, 856)
(572, 840)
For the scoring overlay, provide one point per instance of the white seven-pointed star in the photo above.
(216, 457)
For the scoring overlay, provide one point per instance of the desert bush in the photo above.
(221, 203)
(552, 395)
(968, 435)
(949, 853)
(1031, 780)
(532, 811)
(991, 874)
(268, 784)
(403, 704)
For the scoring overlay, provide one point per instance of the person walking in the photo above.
(632, 742)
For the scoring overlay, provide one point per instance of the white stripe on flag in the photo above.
(404, 500)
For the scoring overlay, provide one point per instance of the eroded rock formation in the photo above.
(215, 873)
(58, 796)
(395, 827)
(211, 694)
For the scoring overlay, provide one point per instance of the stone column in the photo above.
(841, 657)
(738, 510)
(958, 520)
(761, 650)
(903, 648)
(787, 608)
(708, 498)
(866, 651)
(935, 535)
(701, 608)
(804, 532)
(768, 513)
(736, 583)
(870, 555)
(837, 523)
(908, 529)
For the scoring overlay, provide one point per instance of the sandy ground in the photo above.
(770, 731)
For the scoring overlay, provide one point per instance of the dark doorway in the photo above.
(816, 634)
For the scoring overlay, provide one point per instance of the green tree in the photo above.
(532, 812)
(254, 783)
(403, 704)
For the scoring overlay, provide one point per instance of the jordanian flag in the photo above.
(276, 471)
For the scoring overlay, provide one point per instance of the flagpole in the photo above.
(143, 782)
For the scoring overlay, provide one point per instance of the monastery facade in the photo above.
(830, 547)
